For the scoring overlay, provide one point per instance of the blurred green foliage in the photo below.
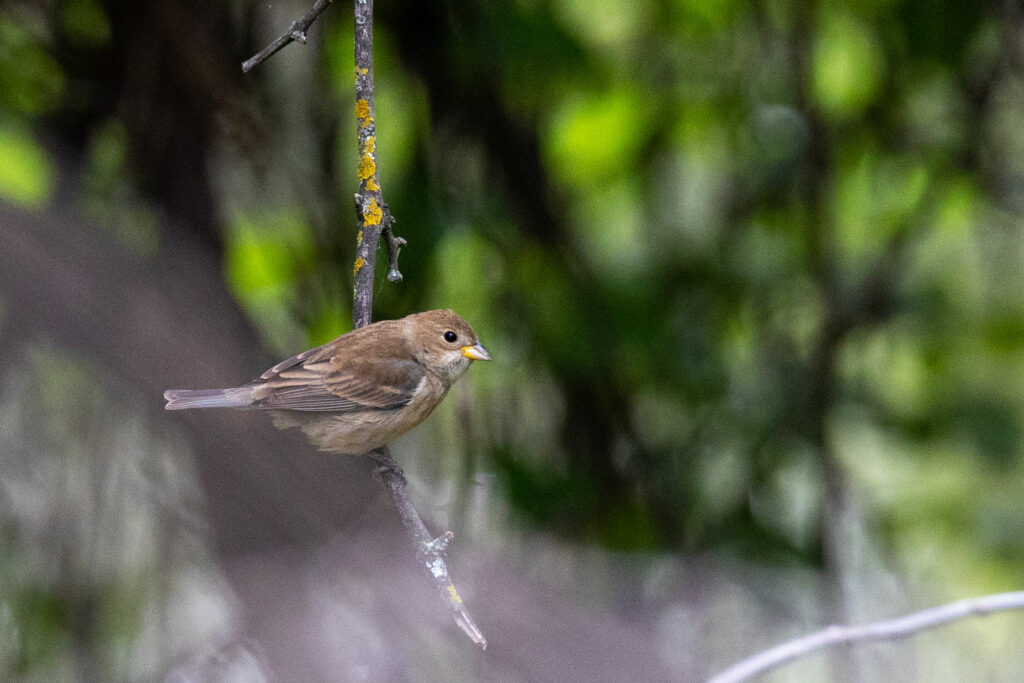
(265, 256)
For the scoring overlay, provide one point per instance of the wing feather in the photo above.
(331, 386)
(309, 398)
(386, 383)
(291, 362)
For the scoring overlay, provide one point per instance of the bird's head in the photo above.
(443, 342)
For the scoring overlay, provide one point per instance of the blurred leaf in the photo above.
(265, 257)
(711, 15)
(603, 22)
(108, 194)
(1005, 333)
(43, 623)
(630, 527)
(26, 174)
(593, 138)
(85, 23)
(877, 196)
(848, 66)
(31, 82)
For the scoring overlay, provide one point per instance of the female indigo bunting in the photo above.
(361, 390)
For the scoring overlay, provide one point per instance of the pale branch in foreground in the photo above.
(297, 31)
(374, 221)
(891, 629)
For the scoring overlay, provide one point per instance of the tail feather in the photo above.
(182, 399)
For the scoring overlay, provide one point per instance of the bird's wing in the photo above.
(333, 386)
(383, 383)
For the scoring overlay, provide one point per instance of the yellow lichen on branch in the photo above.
(363, 113)
(360, 262)
(367, 167)
(362, 109)
(372, 213)
(454, 594)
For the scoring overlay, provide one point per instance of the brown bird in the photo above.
(361, 390)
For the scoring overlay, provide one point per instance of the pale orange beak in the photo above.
(475, 352)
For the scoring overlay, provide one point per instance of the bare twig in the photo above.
(892, 629)
(297, 31)
(374, 220)
(430, 551)
(395, 245)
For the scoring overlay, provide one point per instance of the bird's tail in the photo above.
(182, 399)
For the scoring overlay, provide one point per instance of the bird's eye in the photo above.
(451, 337)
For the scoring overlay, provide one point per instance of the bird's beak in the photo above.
(475, 352)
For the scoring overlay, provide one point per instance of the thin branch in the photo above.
(374, 220)
(373, 215)
(430, 551)
(297, 31)
(892, 629)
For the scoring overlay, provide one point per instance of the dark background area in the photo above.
(750, 273)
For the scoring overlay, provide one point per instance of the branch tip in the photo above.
(891, 629)
(470, 628)
(295, 33)
(395, 245)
